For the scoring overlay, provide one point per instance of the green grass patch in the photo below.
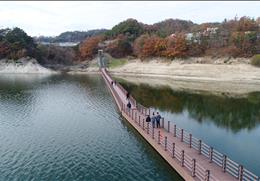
(256, 60)
(113, 62)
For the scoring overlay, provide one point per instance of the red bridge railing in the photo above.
(227, 165)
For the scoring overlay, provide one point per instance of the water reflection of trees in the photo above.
(228, 112)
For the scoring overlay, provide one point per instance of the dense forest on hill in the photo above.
(171, 38)
(175, 38)
(70, 36)
(15, 44)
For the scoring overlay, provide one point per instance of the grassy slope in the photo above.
(113, 62)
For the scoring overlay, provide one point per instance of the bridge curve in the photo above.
(189, 156)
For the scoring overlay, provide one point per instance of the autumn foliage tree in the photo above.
(89, 48)
(148, 46)
(138, 44)
(4, 49)
(179, 38)
(176, 47)
(120, 47)
(246, 24)
(151, 46)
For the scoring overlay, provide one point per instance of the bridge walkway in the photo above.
(190, 157)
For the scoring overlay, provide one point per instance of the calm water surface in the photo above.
(230, 125)
(68, 128)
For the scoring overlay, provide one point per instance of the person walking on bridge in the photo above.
(148, 119)
(128, 106)
(153, 120)
(127, 95)
(158, 119)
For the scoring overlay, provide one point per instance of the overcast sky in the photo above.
(52, 18)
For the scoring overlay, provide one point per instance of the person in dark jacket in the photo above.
(153, 120)
(158, 119)
(128, 106)
(148, 119)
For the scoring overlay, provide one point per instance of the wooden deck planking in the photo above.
(202, 160)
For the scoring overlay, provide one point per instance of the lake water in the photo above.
(68, 128)
(231, 125)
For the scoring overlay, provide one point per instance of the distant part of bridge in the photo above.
(190, 157)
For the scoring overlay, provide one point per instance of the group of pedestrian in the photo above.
(155, 119)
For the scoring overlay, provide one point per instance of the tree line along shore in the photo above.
(169, 40)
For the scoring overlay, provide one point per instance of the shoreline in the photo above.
(222, 79)
(239, 73)
(235, 79)
(216, 88)
(24, 65)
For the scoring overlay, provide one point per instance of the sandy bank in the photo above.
(23, 66)
(237, 78)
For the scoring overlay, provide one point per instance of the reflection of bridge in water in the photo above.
(190, 157)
